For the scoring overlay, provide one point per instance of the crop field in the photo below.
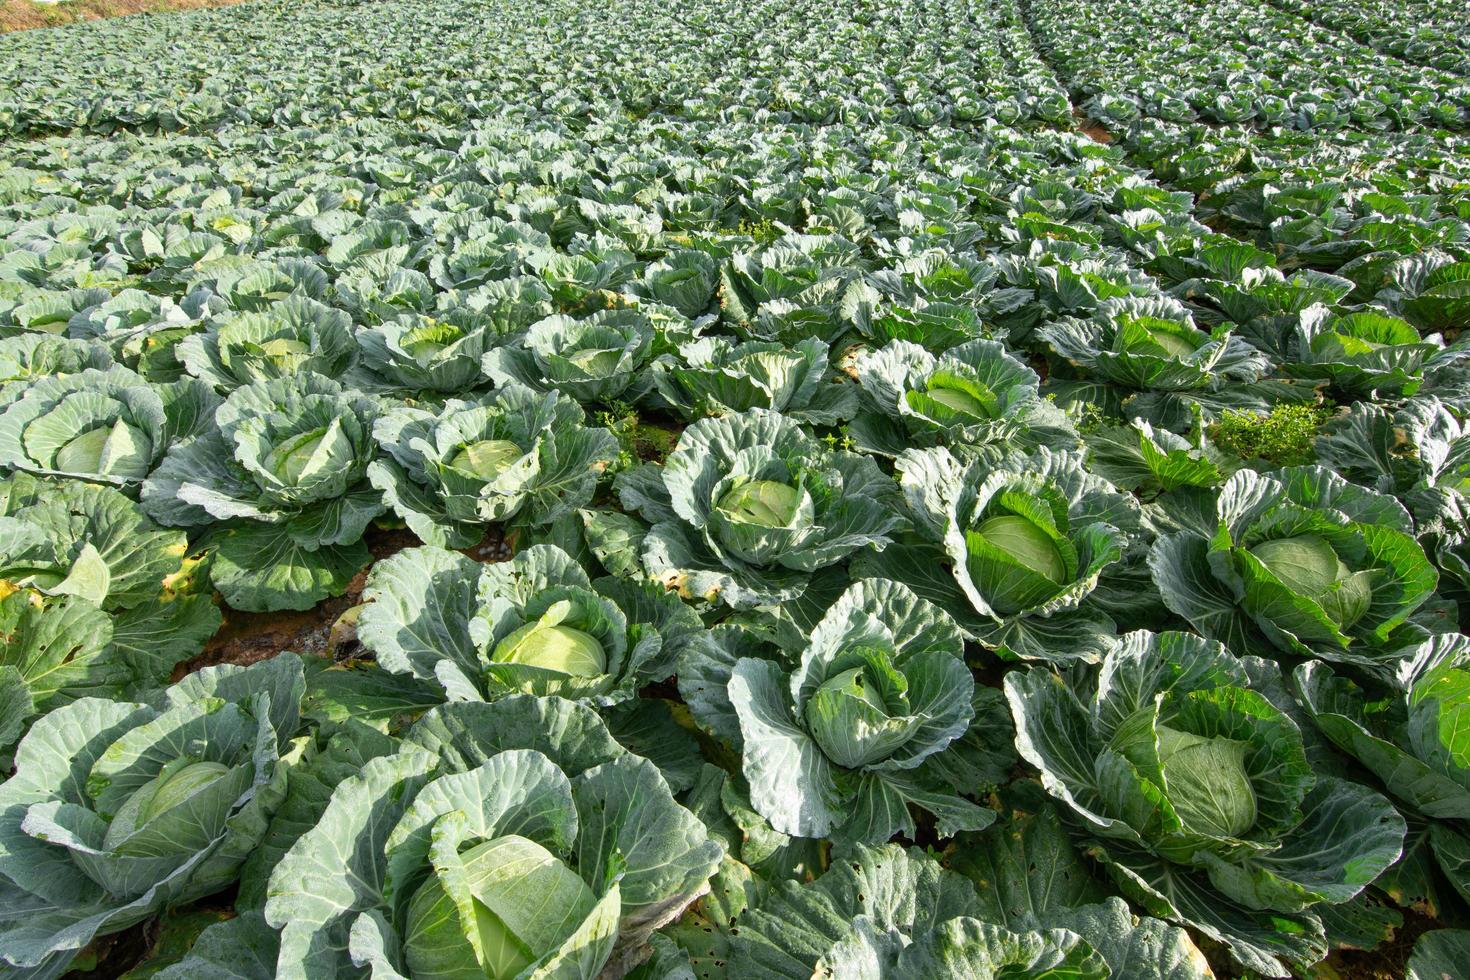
(890, 490)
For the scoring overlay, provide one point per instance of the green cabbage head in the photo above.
(1207, 778)
(1025, 541)
(415, 354)
(547, 644)
(748, 506)
(973, 398)
(515, 454)
(598, 358)
(511, 882)
(1410, 727)
(536, 624)
(119, 810)
(107, 426)
(286, 464)
(1302, 560)
(830, 745)
(1194, 790)
(500, 840)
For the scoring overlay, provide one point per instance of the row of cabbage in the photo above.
(1426, 32)
(928, 62)
(1373, 207)
(1239, 61)
(794, 420)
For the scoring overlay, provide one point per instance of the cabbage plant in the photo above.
(56, 650)
(289, 337)
(684, 279)
(843, 742)
(86, 540)
(1156, 464)
(1406, 728)
(487, 251)
(118, 810)
(590, 277)
(1264, 301)
(789, 289)
(37, 355)
(935, 326)
(1371, 445)
(375, 295)
(1302, 560)
(428, 355)
(142, 330)
(889, 912)
(595, 359)
(105, 426)
(286, 467)
(748, 506)
(245, 283)
(1132, 345)
(1194, 790)
(87, 615)
(971, 397)
(500, 840)
(1428, 289)
(512, 455)
(376, 242)
(714, 376)
(1015, 549)
(1362, 354)
(535, 624)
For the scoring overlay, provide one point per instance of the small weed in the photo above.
(1283, 438)
(639, 440)
(763, 231)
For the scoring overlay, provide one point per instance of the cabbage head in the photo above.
(286, 463)
(419, 355)
(499, 839)
(684, 279)
(595, 359)
(1366, 445)
(1302, 560)
(85, 614)
(1014, 550)
(107, 426)
(903, 909)
(286, 338)
(748, 506)
(536, 624)
(1362, 355)
(1148, 343)
(972, 397)
(65, 537)
(118, 810)
(1152, 361)
(713, 375)
(37, 355)
(790, 289)
(1406, 724)
(489, 251)
(141, 330)
(512, 455)
(841, 744)
(1194, 790)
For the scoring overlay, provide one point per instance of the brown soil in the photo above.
(246, 638)
(25, 15)
(1091, 128)
(1387, 962)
